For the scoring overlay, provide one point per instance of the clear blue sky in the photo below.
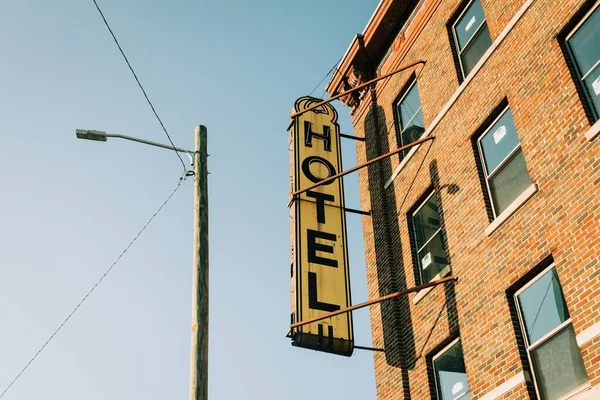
(69, 207)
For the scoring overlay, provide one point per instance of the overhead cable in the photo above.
(325, 77)
(138, 82)
(91, 290)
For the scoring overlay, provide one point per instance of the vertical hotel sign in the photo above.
(320, 281)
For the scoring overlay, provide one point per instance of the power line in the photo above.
(325, 77)
(138, 82)
(92, 289)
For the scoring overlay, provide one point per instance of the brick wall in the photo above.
(561, 220)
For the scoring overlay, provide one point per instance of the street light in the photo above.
(91, 135)
(102, 136)
(199, 354)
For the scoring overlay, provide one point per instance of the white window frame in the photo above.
(399, 114)
(455, 36)
(580, 74)
(435, 375)
(414, 234)
(487, 174)
(530, 347)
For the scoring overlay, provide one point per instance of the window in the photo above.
(429, 246)
(503, 164)
(549, 337)
(471, 36)
(450, 374)
(410, 116)
(583, 49)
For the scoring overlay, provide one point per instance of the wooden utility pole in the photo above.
(199, 356)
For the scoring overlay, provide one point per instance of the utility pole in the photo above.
(199, 357)
(199, 353)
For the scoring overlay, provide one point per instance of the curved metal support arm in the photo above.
(148, 142)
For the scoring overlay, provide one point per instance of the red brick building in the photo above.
(506, 198)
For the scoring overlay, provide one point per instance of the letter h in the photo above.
(325, 136)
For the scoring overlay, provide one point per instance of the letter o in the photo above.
(312, 159)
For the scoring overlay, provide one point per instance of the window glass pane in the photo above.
(558, 365)
(509, 182)
(471, 55)
(451, 375)
(499, 141)
(414, 130)
(409, 106)
(418, 120)
(468, 24)
(592, 83)
(426, 221)
(543, 307)
(585, 43)
(432, 258)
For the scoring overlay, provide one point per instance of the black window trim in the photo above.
(412, 80)
(489, 175)
(434, 353)
(544, 262)
(582, 75)
(522, 339)
(422, 204)
(576, 21)
(430, 191)
(554, 331)
(412, 84)
(437, 355)
(452, 27)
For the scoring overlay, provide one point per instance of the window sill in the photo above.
(589, 334)
(506, 214)
(593, 132)
(508, 385)
(580, 393)
(423, 292)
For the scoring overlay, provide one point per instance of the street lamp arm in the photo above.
(102, 136)
(148, 142)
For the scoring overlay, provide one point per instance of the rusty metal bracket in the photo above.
(354, 211)
(359, 138)
(368, 348)
(362, 85)
(371, 302)
(346, 209)
(365, 164)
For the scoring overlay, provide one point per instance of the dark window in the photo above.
(410, 116)
(471, 36)
(549, 336)
(429, 244)
(504, 168)
(450, 373)
(583, 48)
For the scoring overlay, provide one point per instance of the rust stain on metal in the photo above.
(346, 172)
(374, 301)
(362, 85)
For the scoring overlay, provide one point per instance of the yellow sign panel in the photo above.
(319, 254)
